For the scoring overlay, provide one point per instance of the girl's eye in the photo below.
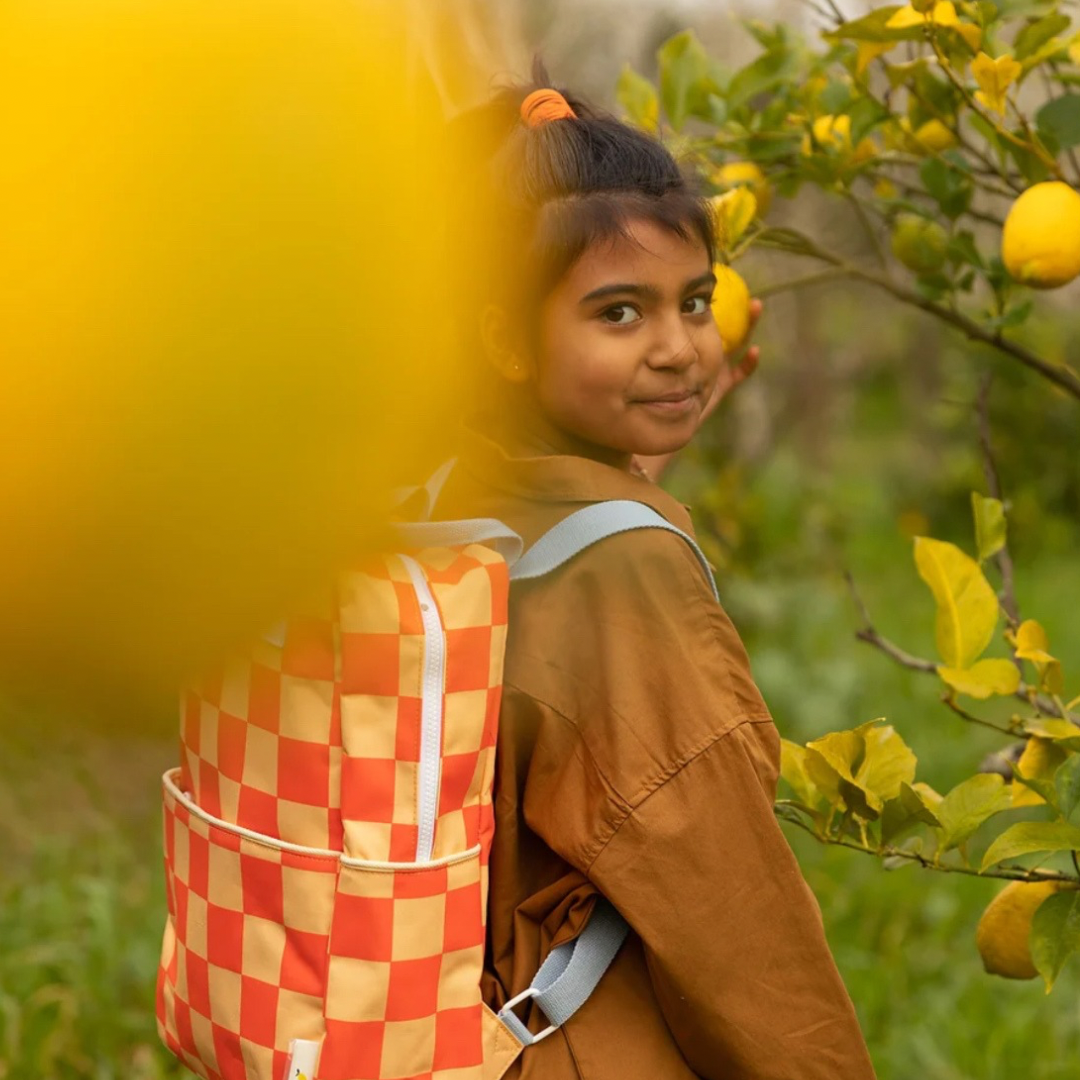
(621, 315)
(696, 305)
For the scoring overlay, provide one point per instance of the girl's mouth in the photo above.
(674, 404)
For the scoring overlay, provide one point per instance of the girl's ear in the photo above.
(502, 352)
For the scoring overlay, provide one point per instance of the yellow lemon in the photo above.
(745, 174)
(829, 131)
(920, 244)
(731, 307)
(1040, 244)
(934, 135)
(1005, 926)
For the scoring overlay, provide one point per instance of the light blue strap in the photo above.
(589, 525)
(570, 974)
(489, 531)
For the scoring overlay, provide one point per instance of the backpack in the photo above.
(328, 829)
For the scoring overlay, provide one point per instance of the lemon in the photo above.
(934, 135)
(731, 307)
(1040, 244)
(829, 131)
(745, 174)
(1005, 926)
(920, 244)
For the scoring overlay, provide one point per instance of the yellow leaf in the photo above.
(1074, 53)
(944, 14)
(989, 515)
(887, 762)
(1039, 761)
(868, 51)
(983, 679)
(793, 770)
(733, 212)
(967, 608)
(831, 131)
(994, 78)
(905, 17)
(1032, 642)
(971, 33)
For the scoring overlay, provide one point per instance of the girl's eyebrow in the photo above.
(646, 292)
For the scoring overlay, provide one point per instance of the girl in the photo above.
(637, 757)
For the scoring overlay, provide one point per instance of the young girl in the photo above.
(637, 759)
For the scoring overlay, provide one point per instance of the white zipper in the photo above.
(431, 712)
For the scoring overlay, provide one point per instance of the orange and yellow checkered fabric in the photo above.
(297, 909)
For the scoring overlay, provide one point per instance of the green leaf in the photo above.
(638, 97)
(1038, 33)
(967, 607)
(989, 517)
(983, 679)
(962, 249)
(1060, 119)
(968, 805)
(1029, 836)
(1067, 783)
(916, 801)
(684, 77)
(1055, 933)
(950, 187)
(766, 72)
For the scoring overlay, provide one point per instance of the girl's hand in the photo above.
(736, 369)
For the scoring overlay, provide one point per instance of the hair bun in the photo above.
(544, 105)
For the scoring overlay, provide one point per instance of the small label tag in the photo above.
(303, 1059)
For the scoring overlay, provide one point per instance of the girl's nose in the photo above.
(673, 348)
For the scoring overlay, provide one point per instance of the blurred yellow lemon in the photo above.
(934, 135)
(1040, 244)
(745, 174)
(1005, 927)
(731, 307)
(920, 244)
(833, 132)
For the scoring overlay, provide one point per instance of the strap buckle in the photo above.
(507, 1010)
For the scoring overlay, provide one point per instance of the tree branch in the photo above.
(1007, 871)
(1061, 376)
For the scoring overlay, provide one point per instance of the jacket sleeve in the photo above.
(674, 741)
(732, 934)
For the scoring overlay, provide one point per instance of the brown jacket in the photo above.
(637, 758)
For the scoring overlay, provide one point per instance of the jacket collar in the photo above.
(563, 478)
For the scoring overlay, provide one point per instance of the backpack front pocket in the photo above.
(266, 943)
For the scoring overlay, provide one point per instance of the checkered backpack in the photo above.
(328, 830)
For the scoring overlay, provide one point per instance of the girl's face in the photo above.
(628, 351)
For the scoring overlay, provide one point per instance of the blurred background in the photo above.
(857, 433)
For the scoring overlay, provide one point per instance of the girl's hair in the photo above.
(552, 191)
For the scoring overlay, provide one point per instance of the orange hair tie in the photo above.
(544, 105)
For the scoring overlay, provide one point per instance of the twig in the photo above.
(971, 718)
(797, 283)
(1062, 376)
(871, 636)
(993, 485)
(969, 98)
(1006, 871)
(868, 227)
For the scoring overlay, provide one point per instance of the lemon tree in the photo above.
(951, 132)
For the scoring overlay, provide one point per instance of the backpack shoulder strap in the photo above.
(588, 526)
